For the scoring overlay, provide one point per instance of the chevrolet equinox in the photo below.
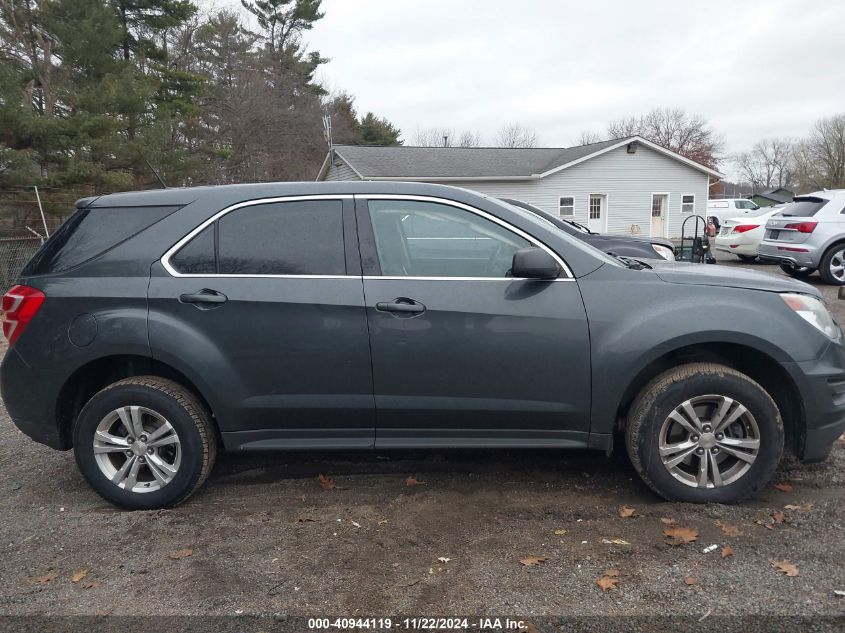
(158, 327)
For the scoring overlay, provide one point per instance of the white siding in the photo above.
(628, 180)
(339, 170)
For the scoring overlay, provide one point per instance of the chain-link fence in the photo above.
(15, 252)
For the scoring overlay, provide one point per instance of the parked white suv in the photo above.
(808, 235)
(726, 208)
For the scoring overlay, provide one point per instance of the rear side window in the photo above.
(91, 232)
(283, 238)
(803, 207)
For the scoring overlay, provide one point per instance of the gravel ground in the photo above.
(265, 538)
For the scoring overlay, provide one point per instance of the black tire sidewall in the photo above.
(752, 397)
(792, 272)
(824, 267)
(108, 400)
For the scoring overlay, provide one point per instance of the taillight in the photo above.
(802, 227)
(742, 228)
(20, 304)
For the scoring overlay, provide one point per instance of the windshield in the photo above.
(526, 210)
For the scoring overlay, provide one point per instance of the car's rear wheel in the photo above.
(704, 432)
(144, 442)
(832, 266)
(799, 272)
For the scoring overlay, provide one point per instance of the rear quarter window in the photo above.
(90, 232)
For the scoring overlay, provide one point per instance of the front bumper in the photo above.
(821, 383)
(798, 255)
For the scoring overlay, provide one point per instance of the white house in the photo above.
(619, 186)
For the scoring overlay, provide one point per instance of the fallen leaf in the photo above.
(306, 520)
(42, 580)
(839, 592)
(681, 535)
(841, 439)
(413, 481)
(182, 553)
(728, 529)
(355, 523)
(785, 567)
(666, 521)
(443, 559)
(778, 517)
(609, 580)
(560, 532)
(383, 522)
(727, 550)
(626, 513)
(533, 561)
(690, 580)
(79, 575)
(91, 585)
(783, 487)
(326, 483)
(803, 507)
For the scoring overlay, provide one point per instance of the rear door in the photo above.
(463, 354)
(265, 302)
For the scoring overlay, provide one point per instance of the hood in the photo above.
(643, 240)
(728, 277)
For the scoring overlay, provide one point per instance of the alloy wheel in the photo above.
(709, 441)
(837, 265)
(137, 449)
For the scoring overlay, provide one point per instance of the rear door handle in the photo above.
(401, 305)
(204, 298)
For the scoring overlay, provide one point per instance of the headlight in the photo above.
(813, 312)
(664, 252)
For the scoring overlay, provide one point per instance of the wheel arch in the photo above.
(96, 374)
(757, 364)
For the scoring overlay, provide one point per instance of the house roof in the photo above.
(478, 163)
(778, 194)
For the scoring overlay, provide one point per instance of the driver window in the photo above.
(428, 239)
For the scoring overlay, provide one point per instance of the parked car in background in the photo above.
(741, 236)
(725, 208)
(808, 235)
(625, 245)
(156, 327)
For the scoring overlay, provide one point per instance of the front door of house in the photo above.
(595, 220)
(659, 204)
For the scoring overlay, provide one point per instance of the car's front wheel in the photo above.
(704, 432)
(144, 442)
(799, 272)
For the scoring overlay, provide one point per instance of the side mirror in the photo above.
(534, 263)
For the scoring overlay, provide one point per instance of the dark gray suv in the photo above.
(155, 327)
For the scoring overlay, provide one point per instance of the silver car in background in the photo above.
(808, 235)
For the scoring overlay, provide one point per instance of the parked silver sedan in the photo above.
(809, 235)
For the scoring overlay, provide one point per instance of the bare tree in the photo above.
(769, 164)
(688, 135)
(587, 137)
(516, 135)
(820, 158)
(445, 137)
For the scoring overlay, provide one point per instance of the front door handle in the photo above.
(204, 298)
(401, 305)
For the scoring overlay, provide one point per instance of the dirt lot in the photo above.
(264, 537)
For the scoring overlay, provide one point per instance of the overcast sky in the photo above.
(754, 69)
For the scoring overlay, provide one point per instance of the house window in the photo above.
(595, 207)
(687, 203)
(566, 206)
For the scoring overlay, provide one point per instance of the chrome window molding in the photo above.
(165, 260)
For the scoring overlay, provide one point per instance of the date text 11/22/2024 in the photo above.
(421, 624)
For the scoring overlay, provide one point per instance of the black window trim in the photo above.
(165, 260)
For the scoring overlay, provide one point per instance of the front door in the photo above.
(597, 213)
(463, 354)
(659, 204)
(266, 303)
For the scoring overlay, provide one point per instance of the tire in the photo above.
(165, 473)
(701, 383)
(798, 273)
(832, 265)
(747, 258)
